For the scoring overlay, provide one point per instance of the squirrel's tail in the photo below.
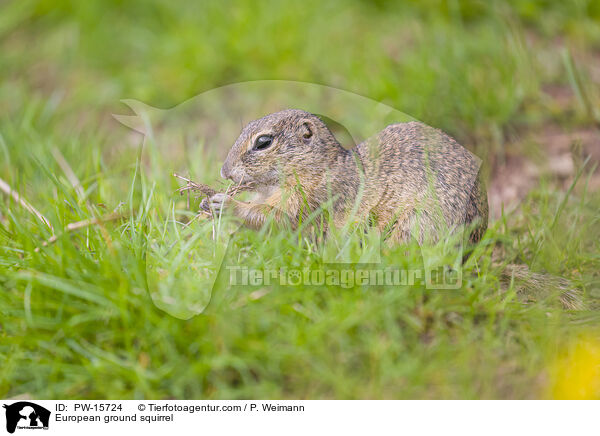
(534, 285)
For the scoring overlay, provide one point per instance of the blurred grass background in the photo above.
(517, 82)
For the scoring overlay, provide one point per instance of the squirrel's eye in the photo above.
(262, 142)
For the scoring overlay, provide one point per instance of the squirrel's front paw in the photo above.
(217, 203)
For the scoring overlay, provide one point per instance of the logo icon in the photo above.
(26, 415)
(180, 259)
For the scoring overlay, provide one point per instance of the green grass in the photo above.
(85, 318)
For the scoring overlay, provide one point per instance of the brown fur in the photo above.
(408, 178)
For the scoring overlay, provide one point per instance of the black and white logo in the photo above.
(26, 415)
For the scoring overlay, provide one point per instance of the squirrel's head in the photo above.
(281, 146)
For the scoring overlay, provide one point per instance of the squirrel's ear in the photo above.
(306, 130)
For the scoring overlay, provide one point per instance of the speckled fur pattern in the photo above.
(411, 180)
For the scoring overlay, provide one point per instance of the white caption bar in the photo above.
(23, 417)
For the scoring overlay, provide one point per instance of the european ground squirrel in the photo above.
(410, 180)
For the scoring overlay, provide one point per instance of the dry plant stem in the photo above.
(238, 188)
(207, 191)
(187, 203)
(4, 187)
(193, 186)
(69, 173)
(71, 227)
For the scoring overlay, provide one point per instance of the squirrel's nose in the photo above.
(225, 171)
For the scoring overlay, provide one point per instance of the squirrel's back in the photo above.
(423, 177)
